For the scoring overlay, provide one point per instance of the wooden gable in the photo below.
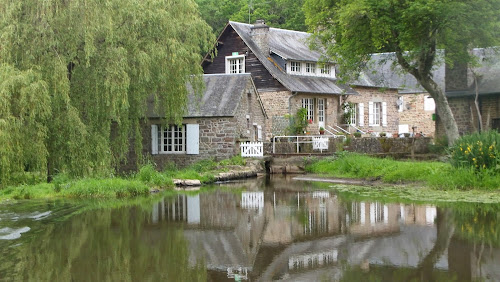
(230, 42)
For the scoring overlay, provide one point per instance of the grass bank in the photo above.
(140, 183)
(437, 175)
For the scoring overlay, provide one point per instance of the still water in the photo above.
(256, 230)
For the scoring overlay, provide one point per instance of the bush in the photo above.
(479, 151)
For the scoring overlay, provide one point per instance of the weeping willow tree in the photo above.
(71, 70)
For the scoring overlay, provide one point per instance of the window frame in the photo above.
(162, 130)
(310, 68)
(377, 114)
(240, 65)
(295, 67)
(308, 104)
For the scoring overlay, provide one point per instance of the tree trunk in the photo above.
(443, 109)
(476, 102)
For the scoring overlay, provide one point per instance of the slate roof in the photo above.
(221, 97)
(290, 45)
(382, 71)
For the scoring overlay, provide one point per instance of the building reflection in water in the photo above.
(292, 235)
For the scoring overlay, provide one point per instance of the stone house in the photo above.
(460, 85)
(289, 75)
(228, 112)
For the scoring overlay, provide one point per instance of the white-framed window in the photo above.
(308, 104)
(377, 113)
(325, 69)
(321, 111)
(352, 109)
(171, 139)
(310, 68)
(235, 64)
(295, 66)
(429, 104)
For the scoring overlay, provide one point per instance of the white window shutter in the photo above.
(370, 113)
(259, 133)
(361, 114)
(192, 139)
(154, 139)
(384, 113)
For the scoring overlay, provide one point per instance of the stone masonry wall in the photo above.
(390, 96)
(464, 111)
(250, 106)
(276, 105)
(414, 114)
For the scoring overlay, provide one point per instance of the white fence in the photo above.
(318, 142)
(252, 149)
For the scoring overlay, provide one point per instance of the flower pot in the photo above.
(321, 132)
(395, 135)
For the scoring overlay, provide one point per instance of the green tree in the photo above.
(69, 70)
(413, 29)
(286, 14)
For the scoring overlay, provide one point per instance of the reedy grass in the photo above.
(438, 175)
(137, 184)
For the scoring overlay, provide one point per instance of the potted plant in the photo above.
(407, 135)
(395, 135)
(382, 134)
(321, 130)
(357, 134)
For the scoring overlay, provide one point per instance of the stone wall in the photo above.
(390, 145)
(367, 94)
(415, 115)
(464, 111)
(250, 106)
(275, 105)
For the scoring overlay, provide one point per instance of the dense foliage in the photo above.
(413, 30)
(75, 76)
(479, 151)
(286, 14)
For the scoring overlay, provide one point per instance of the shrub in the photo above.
(479, 151)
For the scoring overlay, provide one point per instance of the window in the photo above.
(171, 139)
(310, 68)
(325, 69)
(321, 111)
(294, 66)
(235, 64)
(351, 109)
(377, 114)
(308, 104)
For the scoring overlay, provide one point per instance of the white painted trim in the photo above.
(154, 139)
(361, 114)
(192, 139)
(228, 58)
(384, 113)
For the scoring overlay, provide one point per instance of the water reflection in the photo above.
(256, 230)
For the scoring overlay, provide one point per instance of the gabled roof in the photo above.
(220, 98)
(290, 45)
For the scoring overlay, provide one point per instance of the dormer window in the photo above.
(310, 68)
(294, 67)
(325, 69)
(235, 64)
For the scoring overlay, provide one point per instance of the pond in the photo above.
(261, 229)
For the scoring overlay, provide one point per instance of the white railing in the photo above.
(336, 128)
(252, 149)
(319, 142)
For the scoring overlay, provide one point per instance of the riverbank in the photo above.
(436, 175)
(147, 180)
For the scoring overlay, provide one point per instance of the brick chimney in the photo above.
(456, 77)
(260, 35)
